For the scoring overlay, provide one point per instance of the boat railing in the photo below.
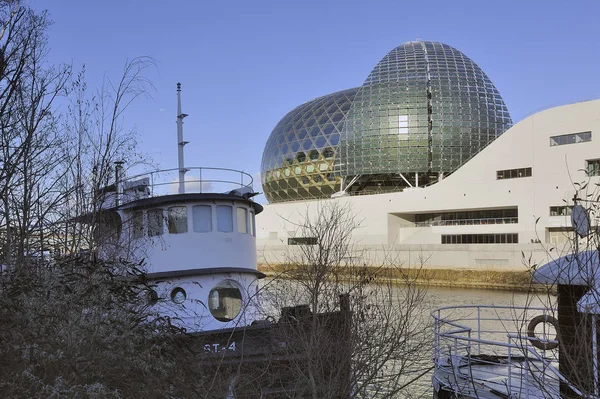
(197, 180)
(488, 347)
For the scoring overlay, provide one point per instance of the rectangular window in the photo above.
(563, 210)
(572, 138)
(242, 220)
(252, 224)
(137, 223)
(511, 238)
(302, 241)
(513, 173)
(224, 218)
(202, 218)
(177, 220)
(155, 222)
(403, 124)
(592, 167)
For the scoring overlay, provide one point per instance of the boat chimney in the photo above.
(180, 142)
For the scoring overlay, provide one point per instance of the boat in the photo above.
(193, 231)
(484, 351)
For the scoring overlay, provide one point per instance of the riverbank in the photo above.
(464, 278)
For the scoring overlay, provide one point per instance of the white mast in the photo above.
(180, 142)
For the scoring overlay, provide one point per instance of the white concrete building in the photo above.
(512, 197)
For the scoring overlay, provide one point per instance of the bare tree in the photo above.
(100, 146)
(29, 139)
(365, 332)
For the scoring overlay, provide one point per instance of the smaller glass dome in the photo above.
(225, 301)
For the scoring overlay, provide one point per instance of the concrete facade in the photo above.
(405, 223)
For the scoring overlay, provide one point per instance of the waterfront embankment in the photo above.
(506, 280)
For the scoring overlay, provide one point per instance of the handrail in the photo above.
(199, 179)
(450, 326)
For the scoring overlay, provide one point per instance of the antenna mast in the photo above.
(180, 142)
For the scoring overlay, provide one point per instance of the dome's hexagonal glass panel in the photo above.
(305, 142)
(426, 108)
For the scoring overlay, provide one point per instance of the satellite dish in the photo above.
(580, 220)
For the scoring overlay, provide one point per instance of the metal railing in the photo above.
(468, 222)
(480, 349)
(197, 180)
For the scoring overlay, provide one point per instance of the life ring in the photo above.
(534, 339)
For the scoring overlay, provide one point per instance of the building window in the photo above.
(403, 124)
(563, 210)
(573, 138)
(468, 218)
(511, 238)
(155, 222)
(513, 173)
(202, 218)
(224, 218)
(302, 241)
(177, 220)
(592, 167)
(242, 220)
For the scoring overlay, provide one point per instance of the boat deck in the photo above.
(485, 352)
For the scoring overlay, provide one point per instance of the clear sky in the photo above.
(244, 64)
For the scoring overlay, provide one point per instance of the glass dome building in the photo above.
(423, 111)
(298, 159)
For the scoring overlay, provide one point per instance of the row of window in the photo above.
(488, 216)
(224, 299)
(302, 241)
(572, 138)
(202, 220)
(513, 173)
(511, 238)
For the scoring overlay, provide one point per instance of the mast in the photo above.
(180, 142)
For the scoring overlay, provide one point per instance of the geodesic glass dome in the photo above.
(425, 108)
(423, 111)
(298, 158)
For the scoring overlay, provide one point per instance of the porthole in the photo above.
(152, 297)
(225, 301)
(178, 295)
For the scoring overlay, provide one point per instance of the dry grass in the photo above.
(488, 279)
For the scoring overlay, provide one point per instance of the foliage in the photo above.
(82, 328)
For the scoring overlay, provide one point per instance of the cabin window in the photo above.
(225, 301)
(202, 215)
(155, 222)
(224, 218)
(252, 224)
(178, 220)
(242, 220)
(152, 297)
(178, 295)
(137, 223)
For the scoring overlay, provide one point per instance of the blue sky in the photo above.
(245, 64)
